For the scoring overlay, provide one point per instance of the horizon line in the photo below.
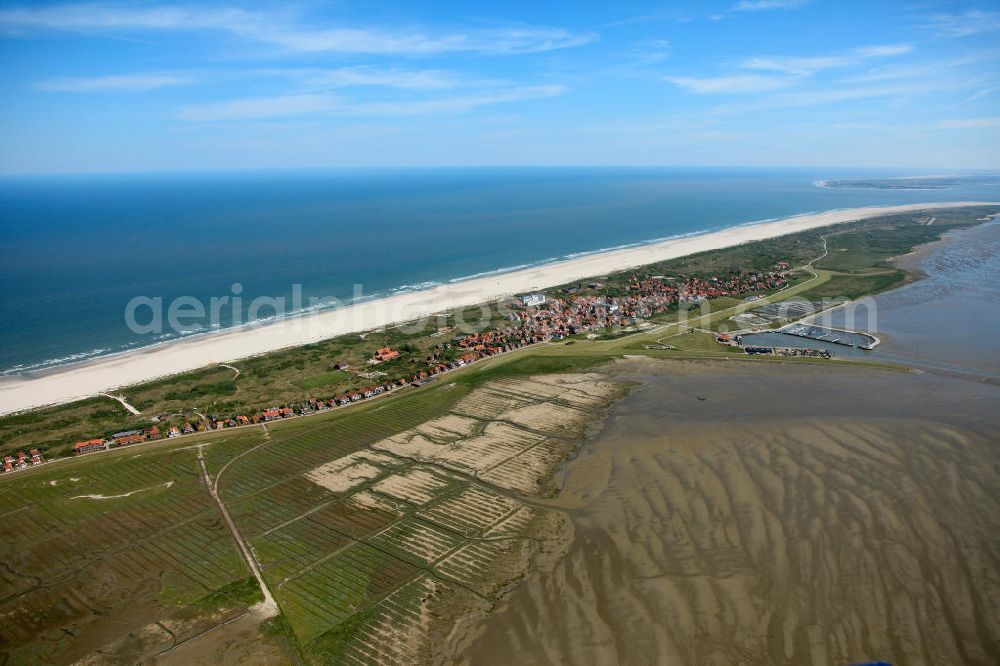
(443, 167)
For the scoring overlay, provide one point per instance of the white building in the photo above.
(533, 300)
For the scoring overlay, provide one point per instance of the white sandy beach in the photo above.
(87, 379)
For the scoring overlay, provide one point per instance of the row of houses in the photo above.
(119, 439)
(22, 460)
(314, 405)
(645, 296)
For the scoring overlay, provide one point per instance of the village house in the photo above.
(126, 438)
(468, 357)
(645, 296)
(89, 446)
(384, 354)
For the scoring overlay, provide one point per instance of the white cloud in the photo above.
(985, 92)
(248, 108)
(410, 42)
(119, 83)
(456, 104)
(344, 77)
(883, 50)
(783, 71)
(289, 34)
(729, 84)
(254, 108)
(806, 66)
(835, 95)
(761, 5)
(969, 123)
(98, 16)
(973, 22)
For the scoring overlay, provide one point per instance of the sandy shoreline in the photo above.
(89, 378)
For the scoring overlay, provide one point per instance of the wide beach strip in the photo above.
(87, 379)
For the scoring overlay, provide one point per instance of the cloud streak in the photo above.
(764, 5)
(291, 35)
(118, 83)
(807, 66)
(368, 76)
(965, 24)
(749, 83)
(256, 108)
(783, 71)
(970, 123)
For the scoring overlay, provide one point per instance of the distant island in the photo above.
(909, 183)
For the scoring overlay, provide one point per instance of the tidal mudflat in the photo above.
(771, 514)
(945, 321)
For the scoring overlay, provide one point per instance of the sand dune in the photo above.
(738, 531)
(88, 379)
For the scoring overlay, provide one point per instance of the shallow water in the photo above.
(949, 320)
(775, 339)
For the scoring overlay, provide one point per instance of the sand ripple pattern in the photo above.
(815, 543)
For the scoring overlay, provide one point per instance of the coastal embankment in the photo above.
(87, 379)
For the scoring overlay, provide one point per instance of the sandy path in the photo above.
(168, 484)
(268, 607)
(739, 531)
(87, 379)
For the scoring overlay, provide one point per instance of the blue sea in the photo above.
(77, 249)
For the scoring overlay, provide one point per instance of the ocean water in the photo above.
(76, 249)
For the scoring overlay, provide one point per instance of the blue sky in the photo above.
(120, 87)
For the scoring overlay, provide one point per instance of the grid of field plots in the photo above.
(368, 536)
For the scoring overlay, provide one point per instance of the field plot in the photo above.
(375, 528)
(526, 473)
(352, 470)
(338, 587)
(528, 521)
(417, 541)
(105, 547)
(487, 566)
(471, 512)
(399, 629)
(372, 529)
(417, 485)
(449, 428)
(488, 403)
